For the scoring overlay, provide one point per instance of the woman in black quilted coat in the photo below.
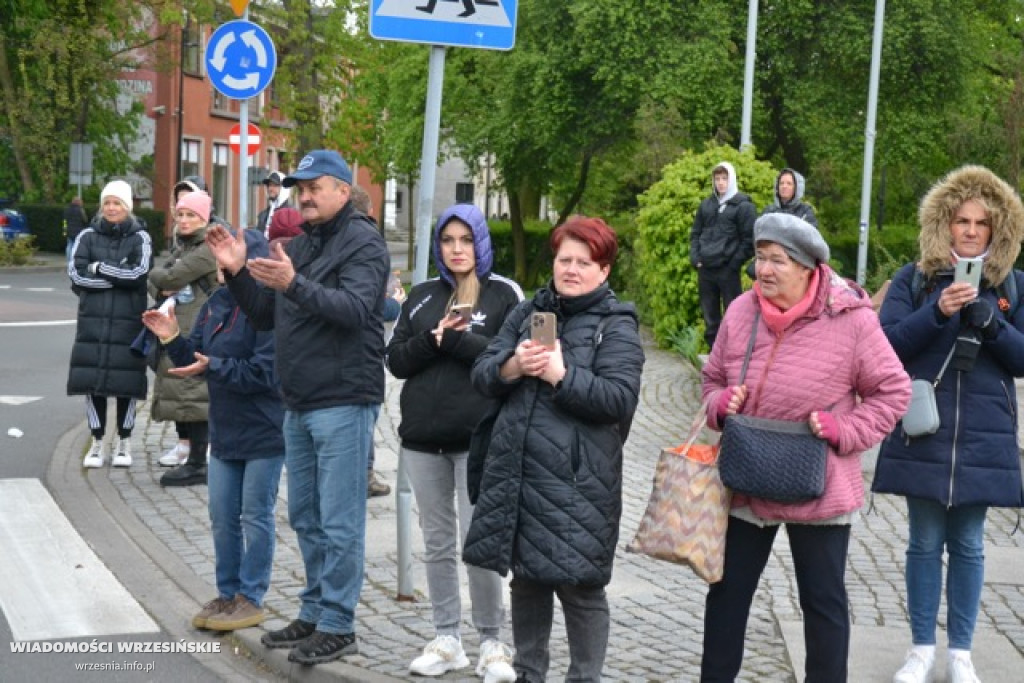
(551, 491)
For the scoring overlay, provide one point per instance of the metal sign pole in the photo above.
(243, 155)
(424, 221)
(869, 142)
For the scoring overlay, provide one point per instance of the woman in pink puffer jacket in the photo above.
(820, 356)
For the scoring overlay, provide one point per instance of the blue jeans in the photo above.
(326, 453)
(242, 498)
(961, 530)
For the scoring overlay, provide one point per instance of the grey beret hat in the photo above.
(800, 239)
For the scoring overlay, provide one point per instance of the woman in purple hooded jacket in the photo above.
(433, 350)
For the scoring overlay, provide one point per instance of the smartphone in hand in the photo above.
(969, 270)
(464, 312)
(543, 329)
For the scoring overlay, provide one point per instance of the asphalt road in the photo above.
(50, 549)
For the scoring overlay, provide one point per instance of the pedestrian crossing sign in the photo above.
(487, 24)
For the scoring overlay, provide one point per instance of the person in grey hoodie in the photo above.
(721, 241)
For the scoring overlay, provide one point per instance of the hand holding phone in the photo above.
(464, 313)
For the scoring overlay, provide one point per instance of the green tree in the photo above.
(668, 292)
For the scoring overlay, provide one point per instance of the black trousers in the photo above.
(716, 287)
(198, 435)
(819, 559)
(96, 413)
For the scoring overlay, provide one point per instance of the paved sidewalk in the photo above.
(656, 608)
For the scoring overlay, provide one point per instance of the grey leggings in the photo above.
(439, 483)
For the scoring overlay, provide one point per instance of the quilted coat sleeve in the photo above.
(486, 370)
(609, 390)
(880, 381)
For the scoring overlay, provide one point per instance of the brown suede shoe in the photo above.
(374, 486)
(239, 614)
(215, 606)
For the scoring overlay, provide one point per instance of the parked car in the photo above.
(12, 221)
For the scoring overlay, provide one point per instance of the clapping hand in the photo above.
(229, 250)
(277, 272)
(163, 325)
(197, 368)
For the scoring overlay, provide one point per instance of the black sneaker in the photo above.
(324, 647)
(185, 475)
(289, 636)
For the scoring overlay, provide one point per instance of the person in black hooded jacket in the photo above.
(551, 492)
(110, 262)
(433, 351)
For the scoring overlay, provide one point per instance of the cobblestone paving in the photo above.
(656, 608)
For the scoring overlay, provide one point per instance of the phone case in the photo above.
(969, 270)
(542, 329)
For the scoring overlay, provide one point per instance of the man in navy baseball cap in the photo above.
(324, 296)
(320, 162)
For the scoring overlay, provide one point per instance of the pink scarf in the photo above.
(777, 319)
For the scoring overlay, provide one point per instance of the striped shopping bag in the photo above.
(688, 511)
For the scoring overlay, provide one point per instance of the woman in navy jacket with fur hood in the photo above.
(433, 351)
(951, 477)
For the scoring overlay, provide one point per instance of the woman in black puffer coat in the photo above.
(551, 491)
(109, 264)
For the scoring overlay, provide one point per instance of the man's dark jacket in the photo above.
(328, 325)
(723, 233)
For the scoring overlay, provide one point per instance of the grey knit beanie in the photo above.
(800, 239)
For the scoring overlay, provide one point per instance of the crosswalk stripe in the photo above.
(54, 585)
(19, 400)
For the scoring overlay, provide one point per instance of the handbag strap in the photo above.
(750, 350)
(750, 346)
(699, 420)
(942, 370)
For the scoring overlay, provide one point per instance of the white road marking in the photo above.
(39, 289)
(19, 400)
(54, 586)
(39, 323)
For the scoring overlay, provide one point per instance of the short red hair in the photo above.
(593, 232)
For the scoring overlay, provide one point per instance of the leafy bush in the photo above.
(667, 282)
(17, 252)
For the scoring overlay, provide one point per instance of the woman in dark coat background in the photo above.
(109, 264)
(551, 491)
(951, 477)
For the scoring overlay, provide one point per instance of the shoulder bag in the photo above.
(922, 416)
(777, 460)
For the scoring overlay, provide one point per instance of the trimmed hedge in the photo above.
(46, 221)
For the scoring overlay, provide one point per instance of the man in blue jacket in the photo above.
(323, 294)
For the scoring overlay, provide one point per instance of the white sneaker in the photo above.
(961, 670)
(441, 655)
(175, 455)
(916, 669)
(495, 665)
(123, 454)
(96, 455)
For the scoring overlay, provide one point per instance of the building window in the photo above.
(463, 193)
(221, 154)
(191, 61)
(219, 101)
(398, 200)
(190, 158)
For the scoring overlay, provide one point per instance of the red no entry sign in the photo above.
(235, 139)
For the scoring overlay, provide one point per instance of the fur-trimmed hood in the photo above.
(942, 201)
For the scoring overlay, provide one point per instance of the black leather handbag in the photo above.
(776, 460)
